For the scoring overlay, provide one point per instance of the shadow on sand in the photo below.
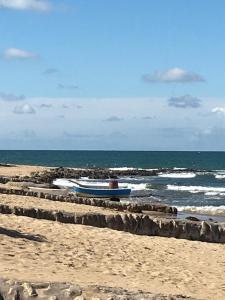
(18, 234)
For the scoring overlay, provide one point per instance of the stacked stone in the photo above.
(133, 223)
(131, 207)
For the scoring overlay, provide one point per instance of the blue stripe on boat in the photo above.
(91, 192)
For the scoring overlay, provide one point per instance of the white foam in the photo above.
(177, 175)
(137, 187)
(214, 194)
(220, 176)
(131, 169)
(208, 210)
(195, 189)
(63, 182)
(175, 168)
(122, 169)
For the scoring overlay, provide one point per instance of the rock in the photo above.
(73, 291)
(110, 221)
(77, 219)
(133, 223)
(64, 217)
(146, 226)
(101, 221)
(221, 228)
(87, 219)
(119, 225)
(191, 218)
(166, 227)
(135, 208)
(215, 233)
(126, 223)
(205, 231)
(79, 298)
(193, 231)
(30, 290)
(12, 290)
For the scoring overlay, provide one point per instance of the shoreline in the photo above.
(43, 250)
(9, 170)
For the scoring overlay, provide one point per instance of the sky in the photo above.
(112, 75)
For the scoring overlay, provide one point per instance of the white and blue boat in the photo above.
(93, 191)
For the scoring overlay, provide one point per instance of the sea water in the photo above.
(199, 191)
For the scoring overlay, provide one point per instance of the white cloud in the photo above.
(169, 128)
(43, 105)
(219, 110)
(147, 118)
(113, 119)
(186, 101)
(11, 97)
(172, 75)
(24, 109)
(15, 53)
(37, 5)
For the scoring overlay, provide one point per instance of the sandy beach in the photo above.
(35, 250)
(20, 170)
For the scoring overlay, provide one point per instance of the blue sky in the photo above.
(127, 75)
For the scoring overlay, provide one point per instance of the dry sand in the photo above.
(49, 251)
(33, 202)
(88, 255)
(20, 170)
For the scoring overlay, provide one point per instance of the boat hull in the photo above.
(101, 193)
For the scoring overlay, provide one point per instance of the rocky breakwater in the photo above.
(98, 173)
(133, 223)
(18, 290)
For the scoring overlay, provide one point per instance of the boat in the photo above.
(94, 191)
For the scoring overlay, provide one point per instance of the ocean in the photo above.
(201, 191)
(134, 159)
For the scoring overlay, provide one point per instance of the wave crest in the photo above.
(195, 189)
(177, 175)
(208, 210)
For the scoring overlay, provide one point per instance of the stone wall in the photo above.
(72, 198)
(133, 223)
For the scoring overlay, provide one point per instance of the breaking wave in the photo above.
(177, 175)
(220, 176)
(208, 210)
(195, 189)
(122, 169)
